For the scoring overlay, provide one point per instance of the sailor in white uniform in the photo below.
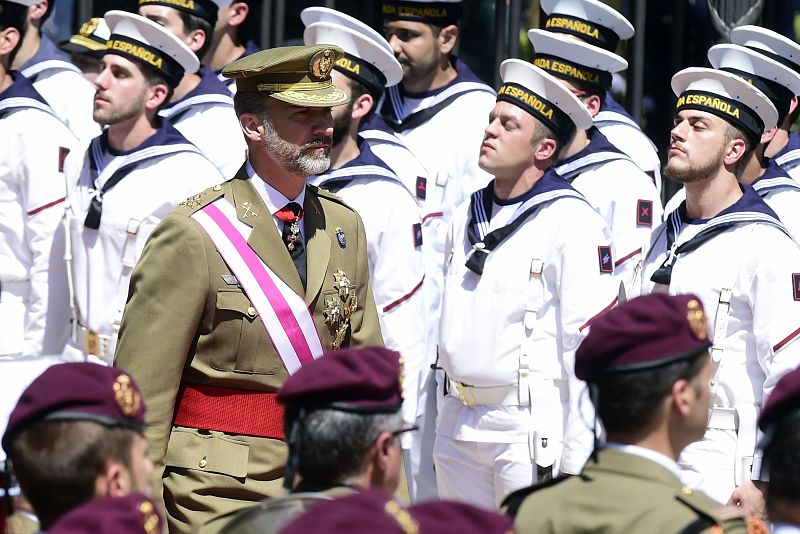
(60, 82)
(389, 210)
(727, 246)
(619, 190)
(127, 179)
(201, 107)
(31, 205)
(784, 148)
(529, 267)
(596, 23)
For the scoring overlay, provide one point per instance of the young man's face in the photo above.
(506, 149)
(415, 46)
(697, 146)
(342, 115)
(141, 466)
(167, 17)
(121, 90)
(300, 138)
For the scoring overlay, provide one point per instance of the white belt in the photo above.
(723, 419)
(20, 288)
(95, 344)
(485, 396)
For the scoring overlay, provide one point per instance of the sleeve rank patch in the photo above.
(796, 285)
(605, 259)
(417, 230)
(62, 156)
(644, 213)
(422, 187)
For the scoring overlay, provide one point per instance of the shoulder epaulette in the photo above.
(202, 198)
(513, 501)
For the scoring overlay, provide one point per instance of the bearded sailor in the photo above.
(241, 286)
(128, 178)
(726, 245)
(609, 179)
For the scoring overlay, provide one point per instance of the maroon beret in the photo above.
(78, 392)
(783, 399)
(373, 511)
(643, 333)
(133, 514)
(367, 380)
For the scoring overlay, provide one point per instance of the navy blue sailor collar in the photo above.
(789, 156)
(209, 90)
(21, 87)
(599, 150)
(366, 165)
(549, 188)
(45, 57)
(774, 178)
(610, 104)
(463, 75)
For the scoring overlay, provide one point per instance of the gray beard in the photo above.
(292, 158)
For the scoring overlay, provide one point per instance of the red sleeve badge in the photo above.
(62, 155)
(605, 259)
(644, 213)
(796, 285)
(417, 231)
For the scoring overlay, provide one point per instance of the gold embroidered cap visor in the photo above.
(297, 75)
(91, 39)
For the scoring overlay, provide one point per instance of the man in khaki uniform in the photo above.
(648, 370)
(223, 308)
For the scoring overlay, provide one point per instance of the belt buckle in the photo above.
(92, 343)
(462, 393)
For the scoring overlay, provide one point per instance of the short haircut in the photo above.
(334, 443)
(356, 90)
(57, 463)
(782, 461)
(590, 89)
(192, 23)
(250, 102)
(733, 132)
(540, 132)
(628, 401)
(14, 16)
(152, 77)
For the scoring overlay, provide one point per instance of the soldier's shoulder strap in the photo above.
(513, 502)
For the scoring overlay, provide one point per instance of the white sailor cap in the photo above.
(544, 97)
(588, 20)
(573, 60)
(310, 15)
(771, 44)
(727, 96)
(139, 39)
(436, 12)
(778, 82)
(90, 39)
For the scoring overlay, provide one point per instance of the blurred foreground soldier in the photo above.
(389, 210)
(529, 268)
(86, 48)
(725, 245)
(784, 148)
(343, 421)
(201, 107)
(53, 75)
(33, 145)
(648, 370)
(601, 26)
(622, 193)
(778, 83)
(369, 512)
(241, 286)
(232, 37)
(76, 435)
(117, 190)
(132, 514)
(780, 423)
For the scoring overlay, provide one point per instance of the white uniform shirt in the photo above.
(483, 316)
(392, 224)
(625, 134)
(759, 262)
(206, 118)
(274, 200)
(33, 144)
(621, 192)
(165, 170)
(64, 88)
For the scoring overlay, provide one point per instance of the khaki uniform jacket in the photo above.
(184, 322)
(620, 493)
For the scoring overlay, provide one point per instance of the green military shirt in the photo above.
(187, 320)
(622, 493)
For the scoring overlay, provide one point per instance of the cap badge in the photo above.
(697, 319)
(126, 396)
(149, 518)
(340, 308)
(89, 27)
(321, 64)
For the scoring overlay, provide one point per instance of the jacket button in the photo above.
(251, 311)
(203, 462)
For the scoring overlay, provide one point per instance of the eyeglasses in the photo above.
(410, 428)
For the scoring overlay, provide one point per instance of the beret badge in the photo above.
(126, 396)
(697, 319)
(150, 520)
